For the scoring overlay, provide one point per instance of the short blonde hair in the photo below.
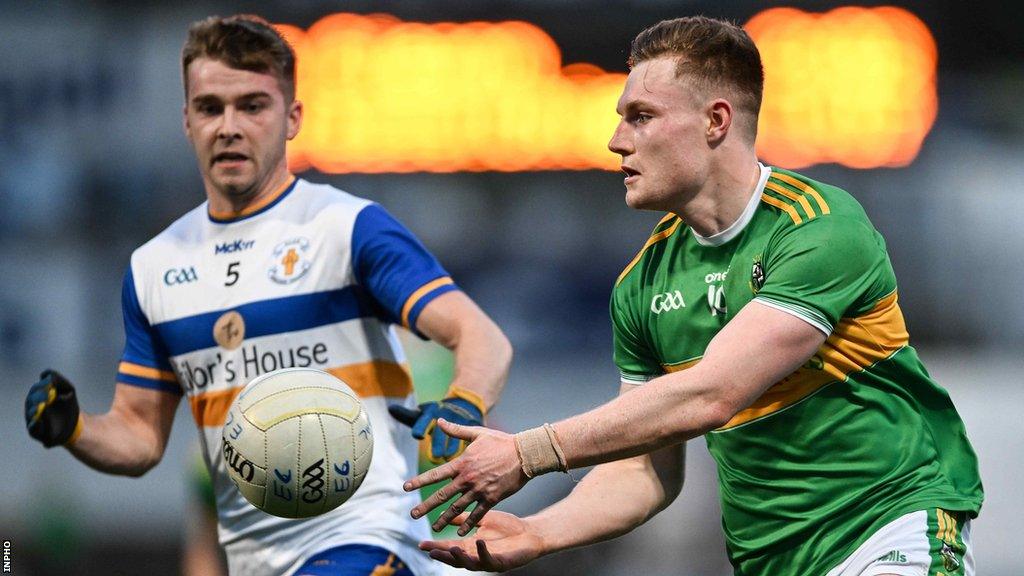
(710, 52)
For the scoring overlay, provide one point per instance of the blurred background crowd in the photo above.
(482, 126)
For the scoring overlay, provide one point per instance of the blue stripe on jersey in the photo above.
(354, 559)
(391, 263)
(161, 385)
(142, 344)
(267, 317)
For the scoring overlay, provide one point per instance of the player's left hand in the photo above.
(424, 424)
(502, 543)
(51, 410)
(487, 472)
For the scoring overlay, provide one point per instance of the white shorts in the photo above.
(923, 543)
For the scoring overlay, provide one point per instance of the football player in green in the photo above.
(763, 314)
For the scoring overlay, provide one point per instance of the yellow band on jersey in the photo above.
(146, 372)
(420, 293)
(367, 379)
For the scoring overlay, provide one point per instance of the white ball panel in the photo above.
(313, 464)
(307, 439)
(282, 483)
(340, 445)
(285, 404)
(252, 492)
(248, 440)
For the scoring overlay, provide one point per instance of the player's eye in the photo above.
(209, 109)
(253, 107)
(638, 117)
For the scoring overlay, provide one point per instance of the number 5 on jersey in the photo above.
(232, 274)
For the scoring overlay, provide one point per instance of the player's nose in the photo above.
(621, 143)
(228, 128)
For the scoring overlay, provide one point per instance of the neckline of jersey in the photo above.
(734, 229)
(259, 208)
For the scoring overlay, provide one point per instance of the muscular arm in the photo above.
(756, 349)
(482, 352)
(130, 438)
(613, 499)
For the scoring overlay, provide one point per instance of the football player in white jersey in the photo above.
(274, 272)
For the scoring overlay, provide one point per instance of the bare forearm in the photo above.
(733, 373)
(610, 501)
(663, 412)
(482, 352)
(482, 359)
(111, 443)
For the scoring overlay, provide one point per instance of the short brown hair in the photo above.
(245, 42)
(711, 52)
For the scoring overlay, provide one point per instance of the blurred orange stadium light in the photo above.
(855, 86)
(383, 95)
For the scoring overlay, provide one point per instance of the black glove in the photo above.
(424, 423)
(51, 409)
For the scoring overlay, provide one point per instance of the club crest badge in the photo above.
(291, 261)
(229, 330)
(949, 558)
(756, 275)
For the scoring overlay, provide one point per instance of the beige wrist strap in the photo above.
(539, 451)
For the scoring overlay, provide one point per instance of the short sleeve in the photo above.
(826, 269)
(395, 267)
(145, 361)
(632, 354)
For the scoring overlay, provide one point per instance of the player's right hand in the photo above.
(51, 409)
(489, 471)
(502, 542)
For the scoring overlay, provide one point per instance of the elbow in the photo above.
(503, 351)
(146, 455)
(138, 471)
(144, 464)
(672, 490)
(716, 414)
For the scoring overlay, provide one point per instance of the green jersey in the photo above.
(856, 437)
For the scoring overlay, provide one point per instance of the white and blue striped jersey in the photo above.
(309, 277)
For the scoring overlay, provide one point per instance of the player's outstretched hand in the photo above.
(443, 448)
(502, 543)
(51, 409)
(487, 472)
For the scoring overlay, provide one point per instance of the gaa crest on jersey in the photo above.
(291, 261)
(178, 276)
(756, 275)
(229, 330)
(667, 302)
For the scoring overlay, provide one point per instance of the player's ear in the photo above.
(719, 120)
(294, 118)
(185, 123)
